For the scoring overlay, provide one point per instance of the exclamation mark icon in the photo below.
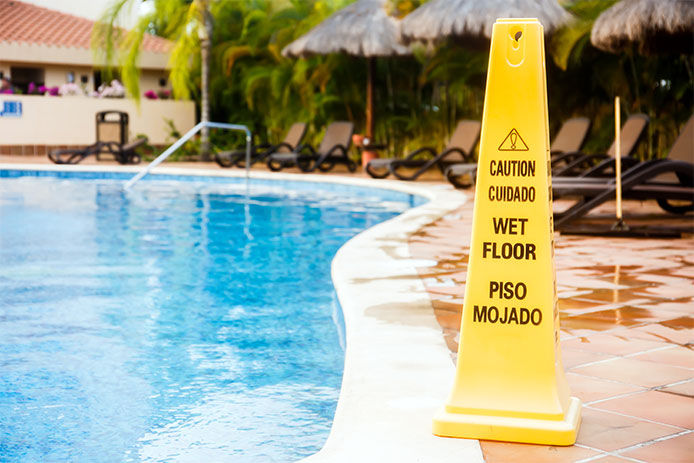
(513, 142)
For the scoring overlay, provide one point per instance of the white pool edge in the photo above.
(398, 370)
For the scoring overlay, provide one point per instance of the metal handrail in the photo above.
(188, 135)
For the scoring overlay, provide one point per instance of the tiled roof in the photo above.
(23, 22)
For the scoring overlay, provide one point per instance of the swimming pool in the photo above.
(186, 320)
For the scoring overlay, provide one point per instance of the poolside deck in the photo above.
(627, 336)
(627, 330)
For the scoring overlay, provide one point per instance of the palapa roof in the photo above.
(653, 24)
(30, 24)
(364, 28)
(438, 19)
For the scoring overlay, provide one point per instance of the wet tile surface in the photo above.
(637, 372)
(685, 388)
(572, 358)
(672, 355)
(610, 431)
(613, 459)
(679, 449)
(611, 343)
(660, 407)
(627, 337)
(508, 452)
(591, 389)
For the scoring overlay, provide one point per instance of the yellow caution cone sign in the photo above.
(510, 383)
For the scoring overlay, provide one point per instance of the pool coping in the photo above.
(398, 370)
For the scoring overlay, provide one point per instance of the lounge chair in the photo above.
(459, 149)
(259, 153)
(577, 163)
(333, 149)
(73, 156)
(111, 138)
(123, 153)
(663, 180)
(569, 139)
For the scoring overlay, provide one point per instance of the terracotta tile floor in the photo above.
(627, 330)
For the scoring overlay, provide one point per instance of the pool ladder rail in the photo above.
(188, 135)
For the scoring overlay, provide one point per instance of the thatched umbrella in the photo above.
(439, 19)
(655, 25)
(364, 28)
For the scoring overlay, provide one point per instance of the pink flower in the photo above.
(54, 91)
(71, 90)
(151, 95)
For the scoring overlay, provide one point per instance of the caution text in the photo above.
(518, 251)
(512, 194)
(509, 226)
(507, 290)
(509, 316)
(512, 168)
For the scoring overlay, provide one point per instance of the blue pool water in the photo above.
(184, 320)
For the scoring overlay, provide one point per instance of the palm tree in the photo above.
(187, 23)
(584, 80)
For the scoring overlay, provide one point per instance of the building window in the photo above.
(97, 80)
(162, 82)
(84, 78)
(99, 77)
(22, 77)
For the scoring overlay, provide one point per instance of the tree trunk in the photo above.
(204, 101)
(205, 42)
(370, 98)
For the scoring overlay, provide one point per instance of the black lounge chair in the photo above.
(569, 139)
(333, 149)
(73, 156)
(663, 180)
(577, 163)
(459, 149)
(124, 154)
(259, 153)
(111, 138)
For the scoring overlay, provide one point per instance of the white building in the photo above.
(40, 47)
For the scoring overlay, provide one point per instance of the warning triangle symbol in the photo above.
(513, 142)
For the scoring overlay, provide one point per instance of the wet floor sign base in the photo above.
(511, 429)
(510, 383)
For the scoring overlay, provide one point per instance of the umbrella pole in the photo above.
(369, 97)
(619, 225)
